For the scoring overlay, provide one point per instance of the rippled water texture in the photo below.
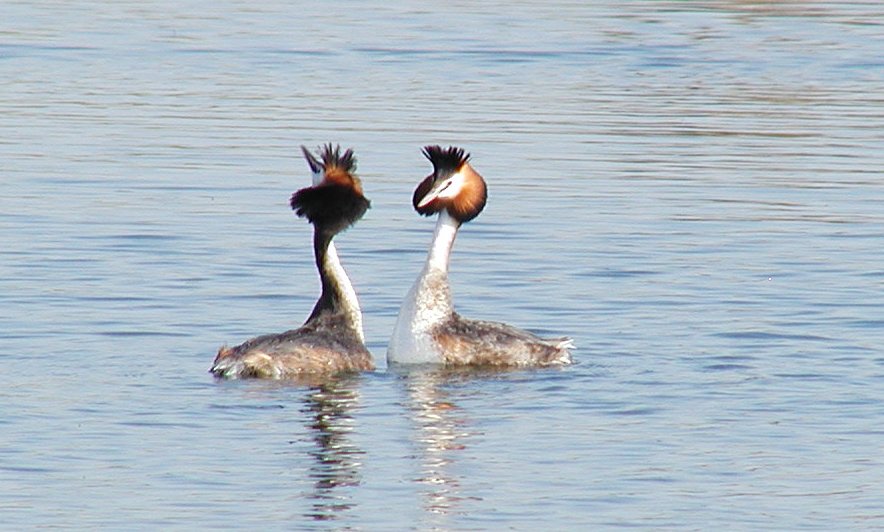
(691, 190)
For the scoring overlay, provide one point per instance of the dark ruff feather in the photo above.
(330, 207)
(419, 193)
(337, 202)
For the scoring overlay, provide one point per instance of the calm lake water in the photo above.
(692, 190)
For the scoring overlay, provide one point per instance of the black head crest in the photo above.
(333, 158)
(445, 161)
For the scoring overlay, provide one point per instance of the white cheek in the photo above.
(457, 182)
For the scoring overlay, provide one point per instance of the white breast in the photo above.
(427, 304)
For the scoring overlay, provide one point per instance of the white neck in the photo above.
(347, 294)
(428, 303)
(443, 241)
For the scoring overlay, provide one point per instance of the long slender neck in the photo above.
(443, 241)
(428, 303)
(430, 297)
(338, 294)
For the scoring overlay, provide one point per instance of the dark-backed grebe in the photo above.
(428, 329)
(331, 340)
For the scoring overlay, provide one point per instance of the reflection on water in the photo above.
(442, 430)
(691, 189)
(336, 460)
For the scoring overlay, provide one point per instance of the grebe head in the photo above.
(334, 167)
(454, 185)
(335, 201)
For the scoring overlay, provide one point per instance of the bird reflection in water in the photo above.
(442, 432)
(336, 460)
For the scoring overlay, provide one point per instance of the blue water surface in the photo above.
(691, 190)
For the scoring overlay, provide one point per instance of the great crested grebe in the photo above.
(428, 330)
(331, 340)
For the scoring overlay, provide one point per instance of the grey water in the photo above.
(691, 190)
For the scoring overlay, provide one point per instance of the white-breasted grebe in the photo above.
(428, 330)
(331, 340)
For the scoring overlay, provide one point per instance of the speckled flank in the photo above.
(485, 343)
(327, 345)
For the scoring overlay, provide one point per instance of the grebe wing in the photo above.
(322, 346)
(477, 342)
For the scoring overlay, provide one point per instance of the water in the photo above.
(692, 190)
